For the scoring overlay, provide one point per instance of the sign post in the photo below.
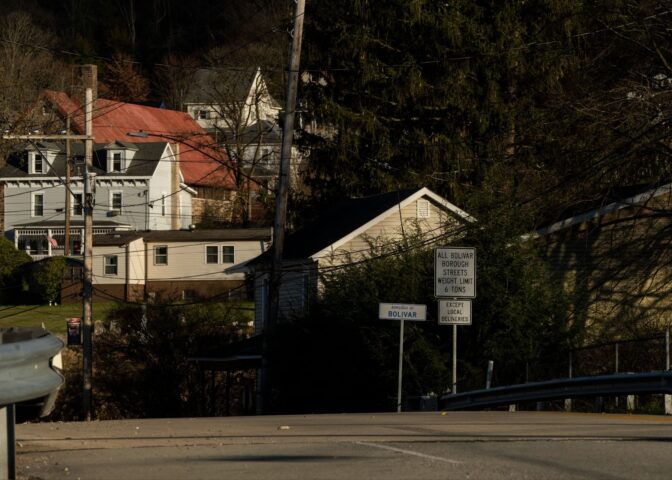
(401, 311)
(455, 279)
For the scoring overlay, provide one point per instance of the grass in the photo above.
(53, 317)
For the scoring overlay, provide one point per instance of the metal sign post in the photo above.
(401, 311)
(455, 279)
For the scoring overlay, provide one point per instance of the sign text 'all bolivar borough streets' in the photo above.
(455, 272)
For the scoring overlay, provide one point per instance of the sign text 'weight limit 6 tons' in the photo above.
(455, 272)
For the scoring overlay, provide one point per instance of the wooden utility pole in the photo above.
(281, 202)
(68, 195)
(87, 324)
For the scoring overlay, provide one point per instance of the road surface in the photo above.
(453, 445)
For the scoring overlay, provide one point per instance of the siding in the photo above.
(299, 283)
(187, 260)
(389, 231)
(135, 192)
(616, 270)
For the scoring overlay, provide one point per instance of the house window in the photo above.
(188, 295)
(202, 115)
(161, 255)
(423, 209)
(227, 254)
(77, 204)
(211, 254)
(163, 205)
(78, 162)
(38, 205)
(38, 163)
(117, 163)
(116, 201)
(111, 264)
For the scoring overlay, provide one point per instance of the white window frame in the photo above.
(32, 204)
(111, 201)
(116, 265)
(156, 247)
(216, 247)
(73, 204)
(233, 253)
(110, 161)
(33, 162)
(205, 114)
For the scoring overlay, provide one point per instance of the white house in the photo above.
(230, 99)
(136, 187)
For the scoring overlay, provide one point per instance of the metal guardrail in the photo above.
(25, 366)
(26, 376)
(602, 385)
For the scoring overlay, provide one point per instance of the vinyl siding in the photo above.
(616, 270)
(186, 260)
(299, 283)
(389, 230)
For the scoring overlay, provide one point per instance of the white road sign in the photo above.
(455, 272)
(454, 312)
(402, 311)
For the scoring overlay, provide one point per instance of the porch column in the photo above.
(16, 238)
(49, 241)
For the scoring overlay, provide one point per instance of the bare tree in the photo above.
(26, 64)
(123, 80)
(175, 79)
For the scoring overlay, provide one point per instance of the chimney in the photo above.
(86, 76)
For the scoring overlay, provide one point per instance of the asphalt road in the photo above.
(455, 445)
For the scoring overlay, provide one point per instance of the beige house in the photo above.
(614, 262)
(349, 232)
(174, 265)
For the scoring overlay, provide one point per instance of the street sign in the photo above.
(402, 311)
(455, 272)
(454, 312)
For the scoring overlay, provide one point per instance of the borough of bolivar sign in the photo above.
(402, 311)
(455, 272)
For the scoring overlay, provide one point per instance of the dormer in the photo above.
(40, 156)
(119, 156)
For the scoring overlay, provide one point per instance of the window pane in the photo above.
(161, 255)
(38, 163)
(111, 265)
(116, 201)
(116, 162)
(227, 254)
(38, 205)
(77, 204)
(211, 254)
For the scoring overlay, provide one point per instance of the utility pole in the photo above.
(87, 327)
(68, 195)
(281, 202)
(88, 237)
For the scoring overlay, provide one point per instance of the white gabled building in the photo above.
(137, 187)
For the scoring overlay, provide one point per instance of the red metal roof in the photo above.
(200, 163)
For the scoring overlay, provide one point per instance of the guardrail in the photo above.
(26, 375)
(596, 386)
